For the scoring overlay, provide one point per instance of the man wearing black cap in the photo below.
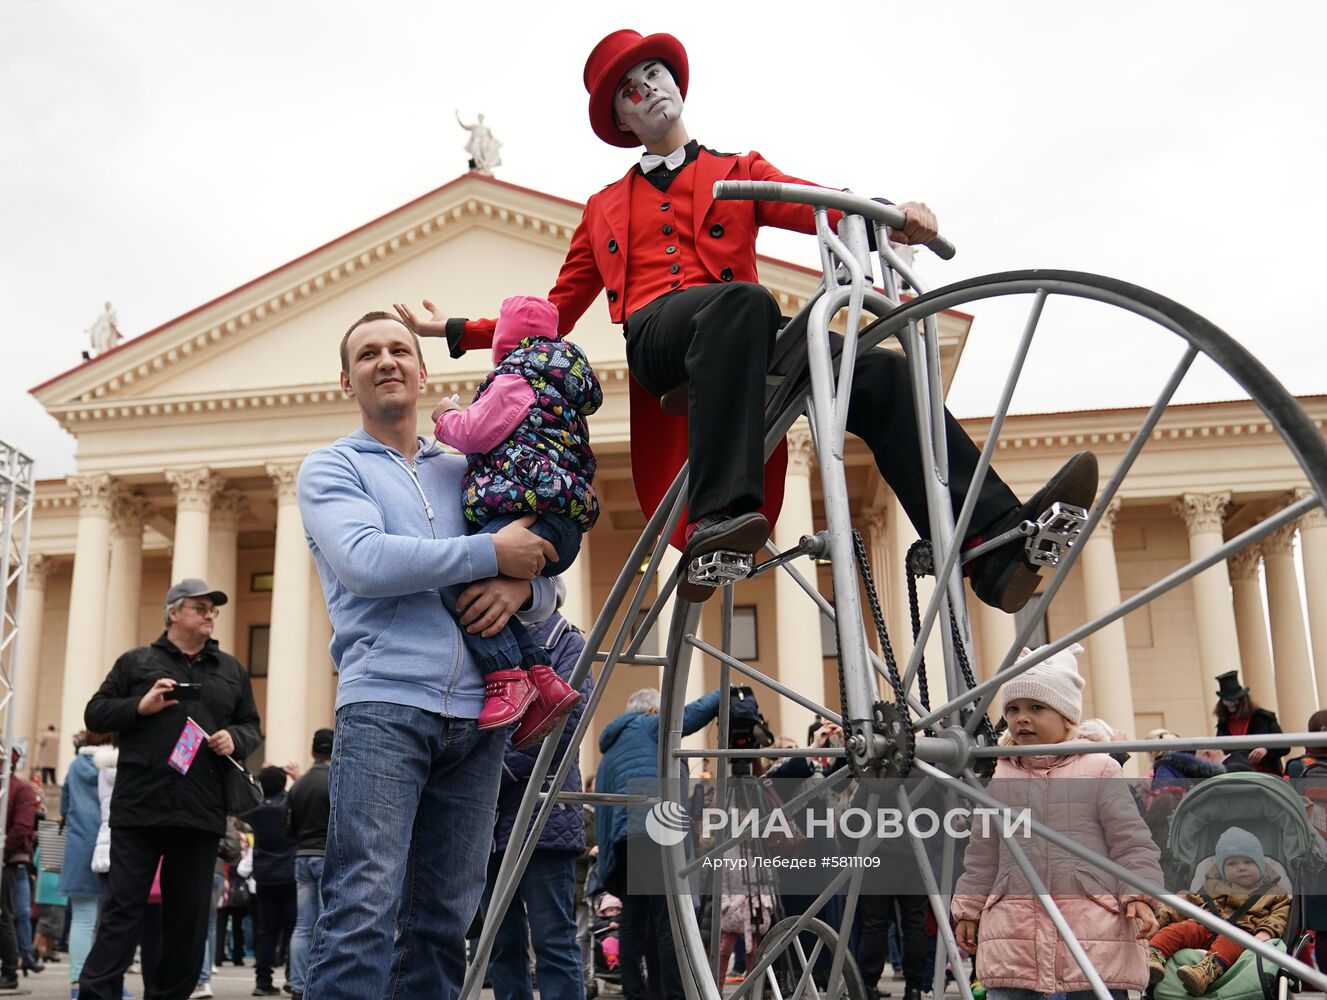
(308, 806)
(168, 804)
(679, 271)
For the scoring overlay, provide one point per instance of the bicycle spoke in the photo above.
(1164, 585)
(1140, 439)
(765, 679)
(978, 479)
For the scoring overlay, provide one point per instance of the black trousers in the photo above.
(187, 860)
(274, 912)
(718, 339)
(232, 917)
(8, 935)
(876, 913)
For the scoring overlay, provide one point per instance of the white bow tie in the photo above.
(651, 161)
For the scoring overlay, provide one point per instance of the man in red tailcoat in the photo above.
(679, 271)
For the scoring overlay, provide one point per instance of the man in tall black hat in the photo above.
(679, 271)
(1238, 715)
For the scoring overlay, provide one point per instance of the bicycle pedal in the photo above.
(1057, 530)
(716, 569)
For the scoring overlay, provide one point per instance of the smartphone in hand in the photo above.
(187, 692)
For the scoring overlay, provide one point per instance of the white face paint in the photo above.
(648, 101)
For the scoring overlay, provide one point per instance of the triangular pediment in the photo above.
(466, 245)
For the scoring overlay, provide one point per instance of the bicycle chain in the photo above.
(890, 719)
(919, 560)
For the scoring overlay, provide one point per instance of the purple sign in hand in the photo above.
(187, 746)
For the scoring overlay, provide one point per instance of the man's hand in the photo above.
(521, 553)
(292, 770)
(435, 326)
(221, 743)
(1147, 920)
(1257, 754)
(155, 700)
(919, 224)
(965, 933)
(447, 404)
(485, 606)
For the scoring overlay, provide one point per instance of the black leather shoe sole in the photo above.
(744, 533)
(1005, 579)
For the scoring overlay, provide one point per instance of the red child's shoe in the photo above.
(554, 700)
(507, 694)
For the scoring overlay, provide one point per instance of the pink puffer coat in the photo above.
(1018, 945)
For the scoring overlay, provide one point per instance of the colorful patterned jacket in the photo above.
(545, 465)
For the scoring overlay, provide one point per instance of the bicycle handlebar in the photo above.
(805, 194)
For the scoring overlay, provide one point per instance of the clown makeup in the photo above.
(648, 102)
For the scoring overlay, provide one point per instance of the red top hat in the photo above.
(609, 62)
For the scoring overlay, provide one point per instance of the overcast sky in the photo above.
(159, 154)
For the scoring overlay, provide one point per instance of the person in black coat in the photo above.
(274, 875)
(1238, 715)
(163, 810)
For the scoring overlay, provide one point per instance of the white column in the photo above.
(28, 679)
(288, 650)
(124, 595)
(1218, 643)
(668, 564)
(194, 491)
(222, 559)
(1313, 536)
(322, 679)
(996, 632)
(1296, 693)
(801, 665)
(1251, 624)
(876, 523)
(1112, 688)
(85, 660)
(578, 608)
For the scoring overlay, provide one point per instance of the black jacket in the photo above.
(308, 808)
(148, 791)
(1261, 723)
(273, 851)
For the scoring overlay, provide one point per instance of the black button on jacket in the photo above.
(148, 791)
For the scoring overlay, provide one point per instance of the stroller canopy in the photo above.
(1266, 806)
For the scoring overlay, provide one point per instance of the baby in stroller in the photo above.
(1239, 888)
(607, 910)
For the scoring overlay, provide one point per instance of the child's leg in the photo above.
(559, 530)
(490, 653)
(1226, 950)
(1181, 934)
(505, 660)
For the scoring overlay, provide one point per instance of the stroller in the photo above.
(1272, 811)
(604, 946)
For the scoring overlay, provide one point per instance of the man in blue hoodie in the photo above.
(413, 782)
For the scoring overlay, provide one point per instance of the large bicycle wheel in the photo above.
(941, 738)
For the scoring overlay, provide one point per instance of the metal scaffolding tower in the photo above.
(17, 496)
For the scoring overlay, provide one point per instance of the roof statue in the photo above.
(482, 146)
(105, 332)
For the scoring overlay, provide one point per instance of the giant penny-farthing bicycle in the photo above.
(889, 730)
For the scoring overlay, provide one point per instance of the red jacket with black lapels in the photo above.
(725, 249)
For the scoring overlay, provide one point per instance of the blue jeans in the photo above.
(205, 975)
(23, 913)
(543, 909)
(413, 800)
(513, 647)
(82, 925)
(309, 903)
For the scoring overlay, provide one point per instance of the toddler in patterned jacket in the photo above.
(528, 448)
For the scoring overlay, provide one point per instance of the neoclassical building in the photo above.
(190, 436)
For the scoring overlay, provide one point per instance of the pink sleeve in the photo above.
(490, 420)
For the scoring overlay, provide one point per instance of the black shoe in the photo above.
(912, 993)
(1003, 578)
(719, 533)
(265, 991)
(32, 965)
(9, 979)
(287, 988)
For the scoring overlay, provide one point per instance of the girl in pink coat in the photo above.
(1020, 954)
